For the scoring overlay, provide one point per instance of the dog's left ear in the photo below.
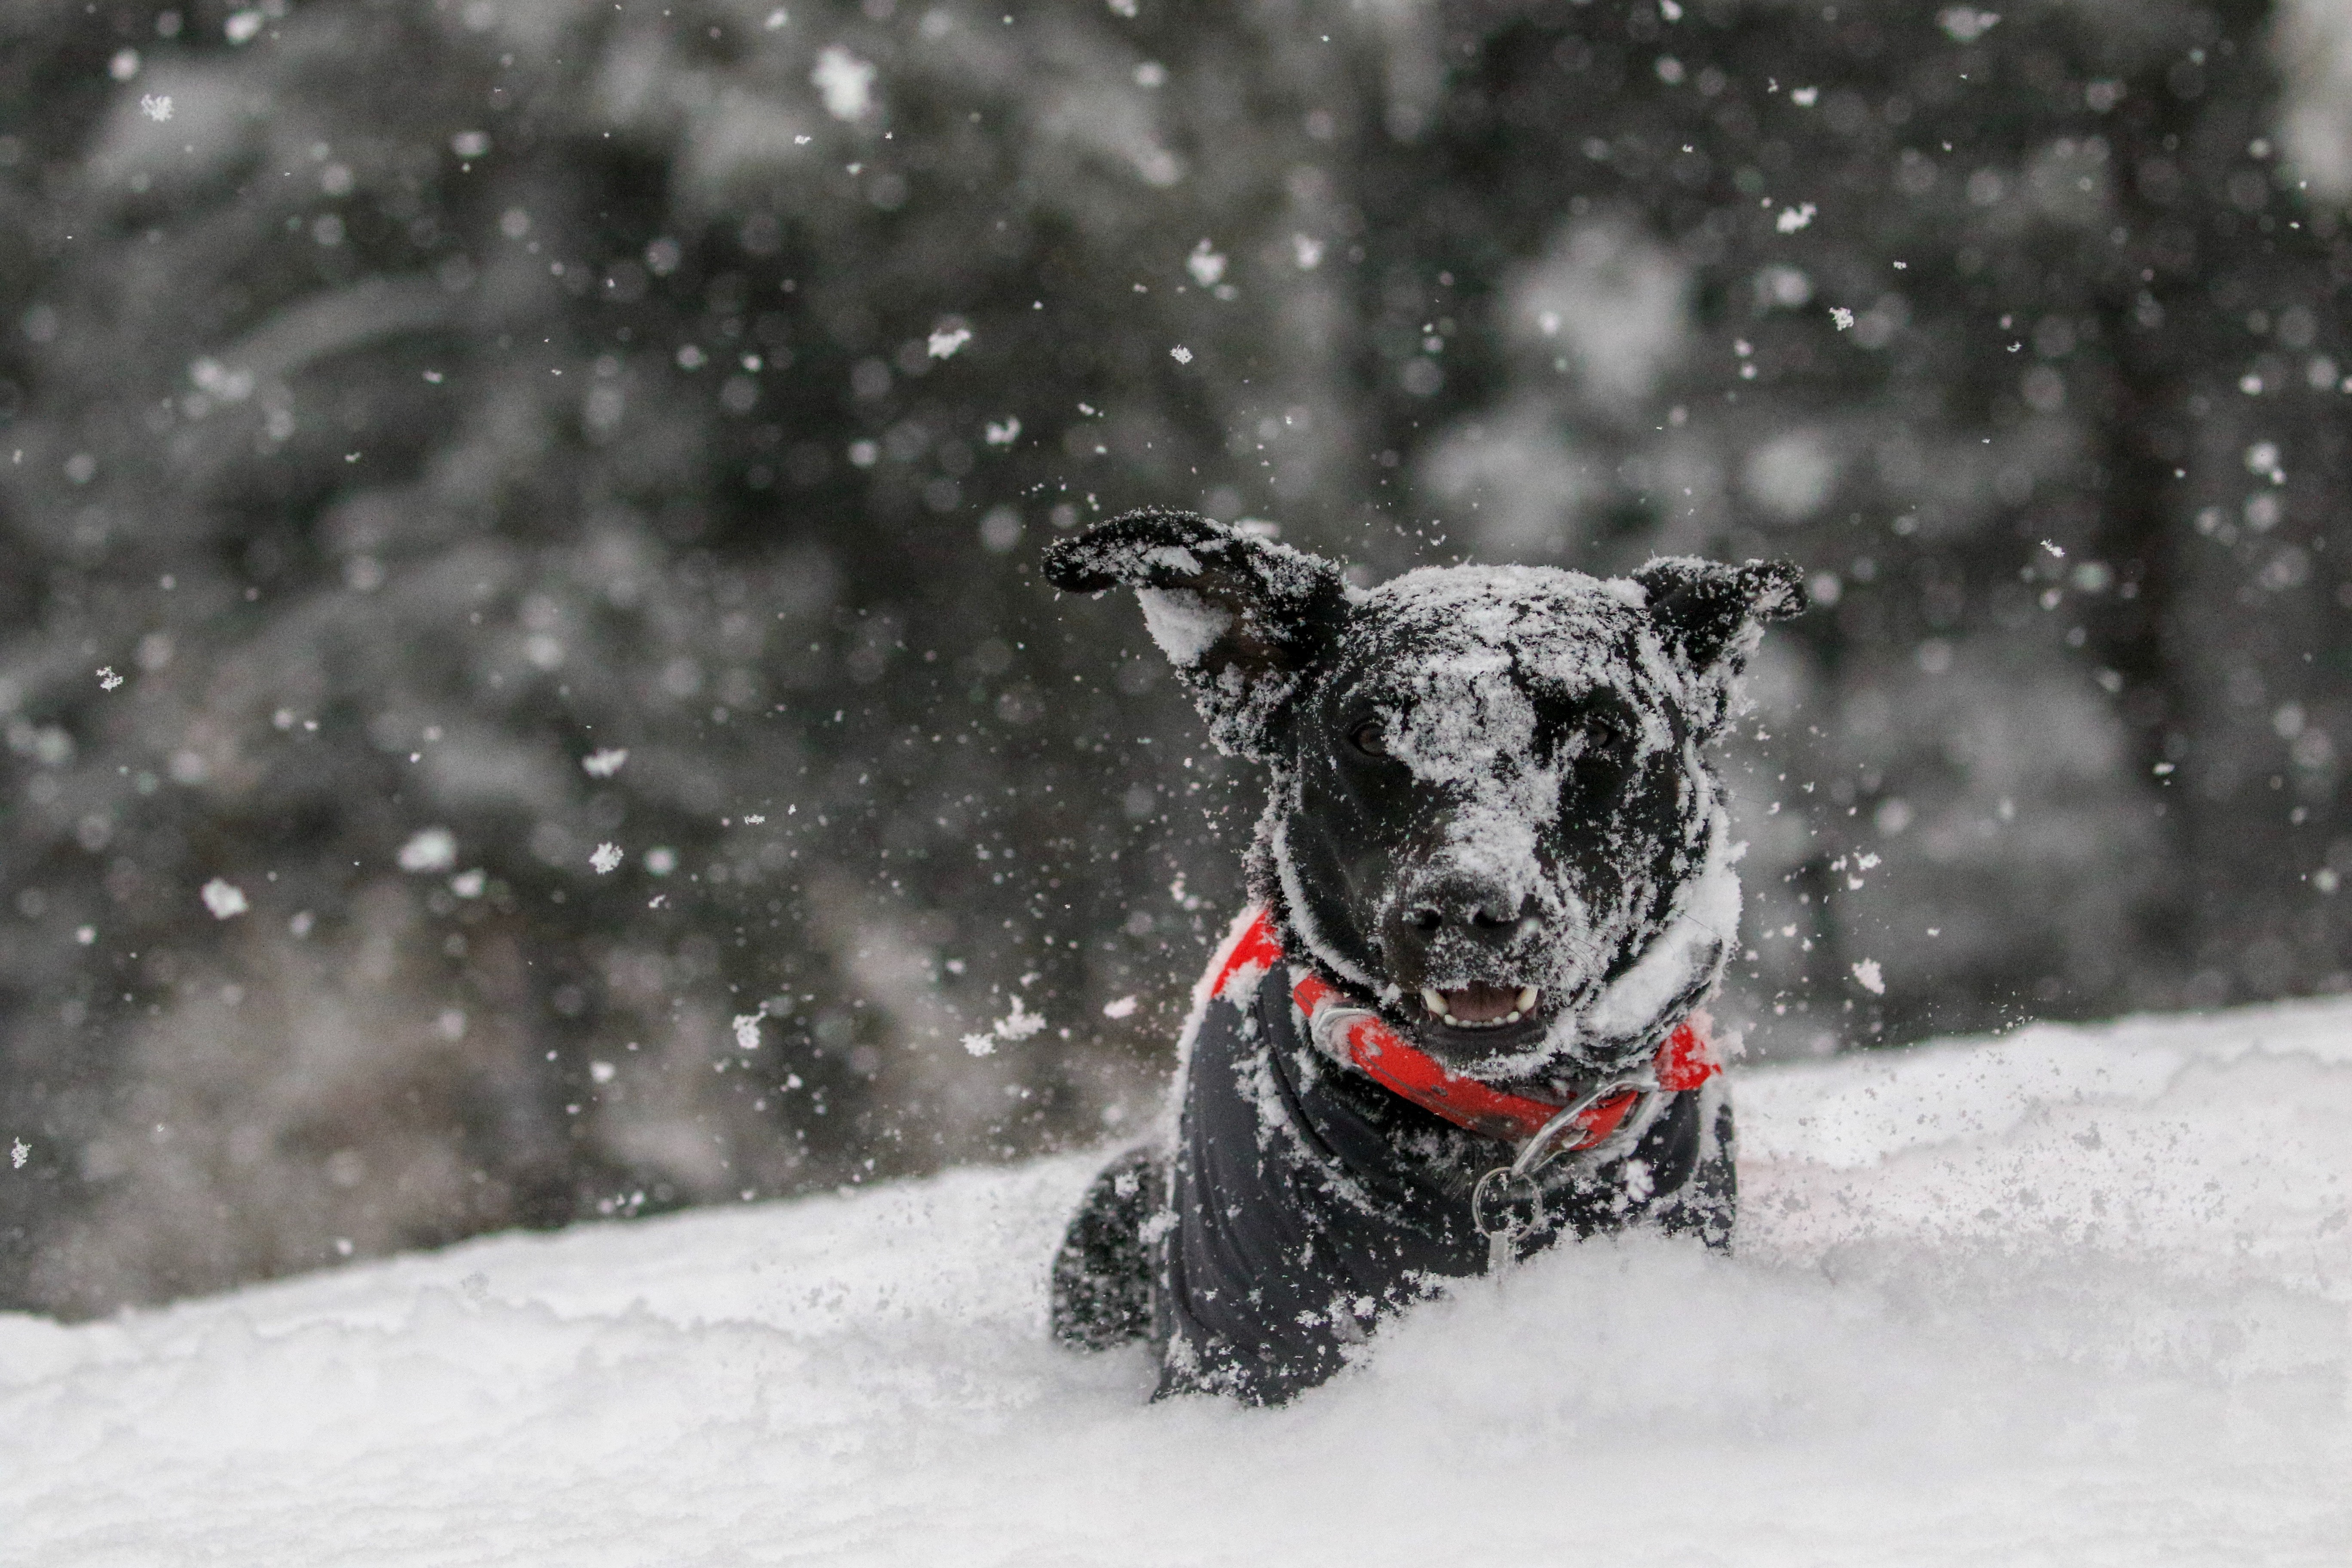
(1242, 618)
(1712, 615)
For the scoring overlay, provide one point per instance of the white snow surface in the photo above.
(2066, 1297)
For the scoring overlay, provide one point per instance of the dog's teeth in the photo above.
(1527, 1000)
(1512, 1016)
(1435, 1000)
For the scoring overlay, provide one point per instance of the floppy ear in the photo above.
(1242, 618)
(1712, 617)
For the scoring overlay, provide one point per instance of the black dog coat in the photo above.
(1292, 1224)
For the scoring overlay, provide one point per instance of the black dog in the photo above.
(1494, 883)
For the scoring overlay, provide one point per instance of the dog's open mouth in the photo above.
(1481, 1006)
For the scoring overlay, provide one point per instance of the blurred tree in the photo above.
(677, 384)
(415, 406)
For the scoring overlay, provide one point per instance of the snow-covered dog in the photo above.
(1493, 884)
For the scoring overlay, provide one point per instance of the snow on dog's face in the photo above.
(1491, 814)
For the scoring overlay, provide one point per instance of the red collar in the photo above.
(1684, 1062)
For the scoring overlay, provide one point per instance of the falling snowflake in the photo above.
(846, 81)
(1806, 97)
(1966, 25)
(18, 1152)
(429, 850)
(1205, 264)
(1867, 974)
(1842, 316)
(156, 106)
(747, 1030)
(1308, 251)
(107, 679)
(777, 18)
(753, 820)
(1122, 1008)
(1791, 219)
(225, 899)
(604, 764)
(1017, 1025)
(607, 857)
(945, 341)
(1181, 354)
(1003, 434)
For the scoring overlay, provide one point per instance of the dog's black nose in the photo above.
(1472, 905)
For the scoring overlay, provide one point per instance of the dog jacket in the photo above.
(1305, 1201)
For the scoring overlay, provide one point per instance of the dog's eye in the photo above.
(1596, 735)
(1370, 738)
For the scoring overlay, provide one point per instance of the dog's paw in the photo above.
(1101, 1292)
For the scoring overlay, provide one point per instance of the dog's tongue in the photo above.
(1481, 1004)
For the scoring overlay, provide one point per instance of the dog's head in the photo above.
(1491, 813)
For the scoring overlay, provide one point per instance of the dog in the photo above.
(1492, 886)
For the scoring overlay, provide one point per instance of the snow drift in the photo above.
(2067, 1296)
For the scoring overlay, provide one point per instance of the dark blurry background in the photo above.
(404, 402)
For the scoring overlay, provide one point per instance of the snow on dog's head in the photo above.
(1491, 813)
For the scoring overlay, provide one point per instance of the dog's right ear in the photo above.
(1711, 617)
(1242, 618)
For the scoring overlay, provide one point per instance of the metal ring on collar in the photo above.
(1516, 1182)
(1555, 1138)
(1330, 1025)
(1495, 1189)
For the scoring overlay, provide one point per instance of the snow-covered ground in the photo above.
(2066, 1297)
